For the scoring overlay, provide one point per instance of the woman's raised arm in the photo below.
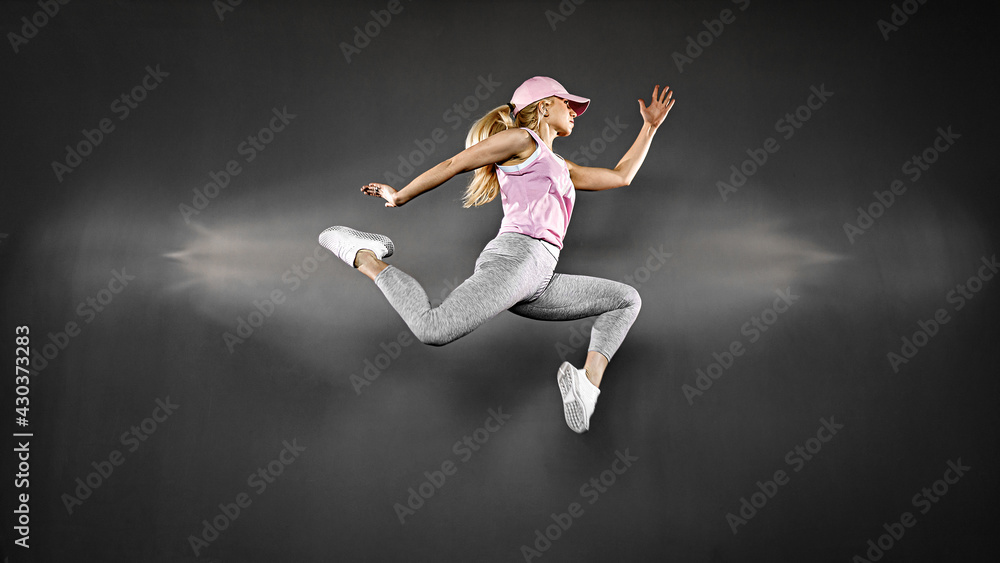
(496, 148)
(593, 179)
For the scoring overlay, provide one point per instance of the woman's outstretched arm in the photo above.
(593, 179)
(496, 148)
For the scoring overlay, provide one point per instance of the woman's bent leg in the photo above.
(570, 297)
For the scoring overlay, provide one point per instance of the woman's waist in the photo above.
(545, 240)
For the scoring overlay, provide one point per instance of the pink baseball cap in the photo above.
(540, 87)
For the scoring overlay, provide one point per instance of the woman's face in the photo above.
(561, 117)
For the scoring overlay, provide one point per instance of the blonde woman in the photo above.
(510, 150)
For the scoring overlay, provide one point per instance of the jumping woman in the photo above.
(510, 150)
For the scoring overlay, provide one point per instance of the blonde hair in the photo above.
(484, 185)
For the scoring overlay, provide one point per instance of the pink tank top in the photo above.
(537, 195)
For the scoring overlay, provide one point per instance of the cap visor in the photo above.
(578, 103)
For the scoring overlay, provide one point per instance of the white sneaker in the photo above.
(346, 242)
(579, 397)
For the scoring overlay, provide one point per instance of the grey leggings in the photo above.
(515, 272)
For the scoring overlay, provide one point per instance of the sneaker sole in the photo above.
(573, 409)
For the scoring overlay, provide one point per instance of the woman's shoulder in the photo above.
(530, 132)
(527, 148)
(520, 134)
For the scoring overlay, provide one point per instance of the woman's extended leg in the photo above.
(509, 270)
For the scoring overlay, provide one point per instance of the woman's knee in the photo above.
(631, 298)
(434, 334)
(431, 337)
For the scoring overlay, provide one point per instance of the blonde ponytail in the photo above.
(484, 185)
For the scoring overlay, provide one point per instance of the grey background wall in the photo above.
(310, 432)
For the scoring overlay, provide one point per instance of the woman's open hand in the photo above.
(659, 106)
(384, 191)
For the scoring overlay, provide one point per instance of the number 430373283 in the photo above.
(22, 353)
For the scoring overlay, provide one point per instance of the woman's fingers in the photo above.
(372, 189)
(387, 192)
(664, 95)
